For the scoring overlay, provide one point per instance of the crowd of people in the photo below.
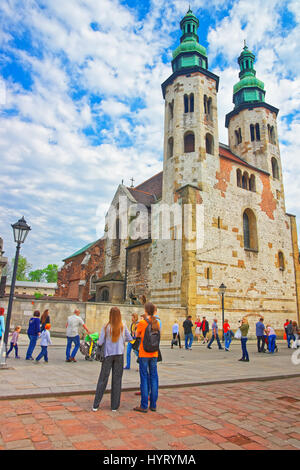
(265, 334)
(143, 339)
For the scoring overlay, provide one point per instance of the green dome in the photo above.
(248, 81)
(189, 46)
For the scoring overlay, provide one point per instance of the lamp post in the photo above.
(20, 230)
(222, 290)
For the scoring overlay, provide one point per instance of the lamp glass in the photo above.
(20, 230)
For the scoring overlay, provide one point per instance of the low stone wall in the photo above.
(95, 315)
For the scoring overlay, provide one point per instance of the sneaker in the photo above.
(153, 409)
(95, 409)
(140, 409)
(72, 359)
(208, 347)
(114, 410)
(68, 360)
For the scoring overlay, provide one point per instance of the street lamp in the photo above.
(20, 230)
(222, 290)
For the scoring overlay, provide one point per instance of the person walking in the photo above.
(227, 334)
(45, 318)
(244, 327)
(271, 339)
(113, 336)
(2, 324)
(289, 333)
(260, 329)
(33, 333)
(296, 334)
(205, 329)
(149, 331)
(176, 335)
(215, 335)
(45, 342)
(133, 327)
(189, 337)
(198, 329)
(14, 342)
(73, 323)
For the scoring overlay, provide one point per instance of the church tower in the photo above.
(252, 125)
(191, 117)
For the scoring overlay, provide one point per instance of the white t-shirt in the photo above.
(74, 322)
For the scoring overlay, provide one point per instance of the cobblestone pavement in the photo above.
(249, 415)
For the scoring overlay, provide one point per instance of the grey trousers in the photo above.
(114, 364)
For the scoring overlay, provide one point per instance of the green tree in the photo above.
(23, 268)
(37, 276)
(50, 272)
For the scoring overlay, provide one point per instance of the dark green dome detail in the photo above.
(189, 53)
(249, 89)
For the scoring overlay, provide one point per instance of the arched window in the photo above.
(239, 178)
(275, 168)
(208, 273)
(252, 133)
(117, 242)
(191, 102)
(281, 261)
(104, 295)
(189, 142)
(250, 230)
(186, 103)
(92, 283)
(207, 107)
(170, 147)
(171, 110)
(257, 132)
(245, 180)
(209, 144)
(252, 185)
(271, 134)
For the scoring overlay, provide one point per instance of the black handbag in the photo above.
(159, 359)
(100, 353)
(136, 344)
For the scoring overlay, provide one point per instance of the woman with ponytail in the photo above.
(113, 336)
(148, 360)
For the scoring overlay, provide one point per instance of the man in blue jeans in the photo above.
(33, 334)
(189, 337)
(215, 335)
(73, 323)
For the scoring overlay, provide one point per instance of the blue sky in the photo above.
(81, 107)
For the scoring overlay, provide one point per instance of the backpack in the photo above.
(151, 339)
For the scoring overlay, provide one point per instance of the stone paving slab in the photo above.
(237, 416)
(179, 368)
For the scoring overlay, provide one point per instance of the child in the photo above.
(14, 342)
(45, 341)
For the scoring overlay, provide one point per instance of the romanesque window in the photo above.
(275, 168)
(186, 103)
(271, 134)
(250, 230)
(207, 106)
(281, 261)
(239, 178)
(255, 132)
(245, 180)
(170, 147)
(252, 185)
(189, 142)
(171, 110)
(189, 103)
(116, 247)
(92, 283)
(209, 144)
(208, 273)
(238, 136)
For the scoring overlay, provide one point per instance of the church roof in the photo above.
(149, 191)
(224, 151)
